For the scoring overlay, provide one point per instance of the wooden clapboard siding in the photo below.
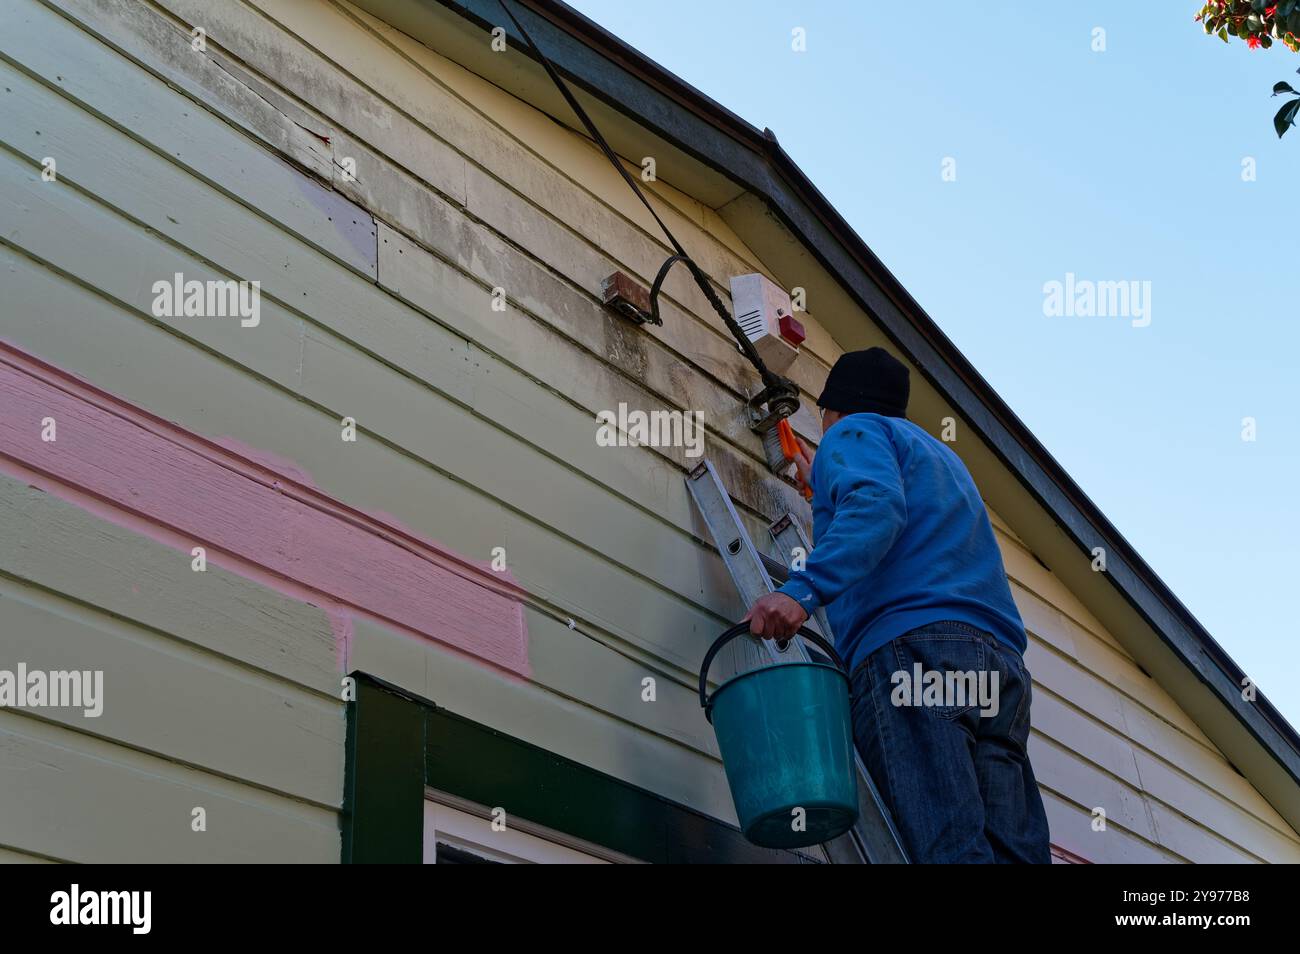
(406, 132)
(281, 355)
(237, 704)
(207, 376)
(535, 176)
(11, 857)
(1112, 691)
(78, 556)
(259, 631)
(476, 431)
(1131, 747)
(242, 230)
(74, 797)
(622, 745)
(581, 162)
(1072, 829)
(503, 171)
(749, 482)
(1023, 567)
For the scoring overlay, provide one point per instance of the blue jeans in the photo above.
(954, 772)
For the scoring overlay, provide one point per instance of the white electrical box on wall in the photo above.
(762, 310)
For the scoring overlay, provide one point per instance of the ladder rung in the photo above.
(778, 571)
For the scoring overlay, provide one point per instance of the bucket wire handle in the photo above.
(740, 629)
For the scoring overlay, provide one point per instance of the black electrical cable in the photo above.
(773, 382)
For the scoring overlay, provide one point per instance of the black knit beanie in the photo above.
(871, 381)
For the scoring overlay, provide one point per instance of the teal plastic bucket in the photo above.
(786, 740)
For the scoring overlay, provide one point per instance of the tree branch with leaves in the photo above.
(1258, 22)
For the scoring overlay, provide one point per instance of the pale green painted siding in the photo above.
(224, 693)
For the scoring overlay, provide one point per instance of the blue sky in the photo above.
(1117, 165)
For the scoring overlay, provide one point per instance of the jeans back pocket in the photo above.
(944, 673)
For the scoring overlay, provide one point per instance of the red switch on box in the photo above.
(791, 330)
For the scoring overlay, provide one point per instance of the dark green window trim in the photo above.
(398, 743)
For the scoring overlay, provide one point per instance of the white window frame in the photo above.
(467, 826)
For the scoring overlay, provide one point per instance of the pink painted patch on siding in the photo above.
(256, 519)
(484, 566)
(273, 463)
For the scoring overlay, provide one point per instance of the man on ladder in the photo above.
(910, 573)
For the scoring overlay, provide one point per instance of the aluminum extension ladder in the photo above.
(873, 840)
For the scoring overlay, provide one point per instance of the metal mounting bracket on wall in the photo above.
(782, 401)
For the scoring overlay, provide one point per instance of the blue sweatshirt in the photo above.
(901, 538)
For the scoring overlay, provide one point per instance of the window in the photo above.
(464, 835)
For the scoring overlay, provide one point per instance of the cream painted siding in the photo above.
(477, 430)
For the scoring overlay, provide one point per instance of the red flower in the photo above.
(1252, 42)
(1269, 11)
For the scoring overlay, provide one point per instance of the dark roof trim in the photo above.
(619, 75)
